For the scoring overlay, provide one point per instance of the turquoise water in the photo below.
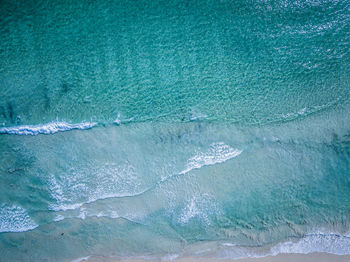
(163, 129)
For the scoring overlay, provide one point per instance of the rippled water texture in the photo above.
(172, 128)
(237, 61)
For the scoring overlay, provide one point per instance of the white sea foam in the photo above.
(229, 244)
(76, 206)
(58, 218)
(117, 120)
(192, 210)
(197, 116)
(87, 185)
(217, 153)
(15, 219)
(49, 128)
(66, 207)
(199, 207)
(170, 257)
(81, 259)
(317, 242)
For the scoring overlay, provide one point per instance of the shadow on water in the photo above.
(11, 113)
(65, 88)
(47, 99)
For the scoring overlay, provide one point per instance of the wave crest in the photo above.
(49, 128)
(218, 153)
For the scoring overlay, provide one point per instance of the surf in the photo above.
(46, 129)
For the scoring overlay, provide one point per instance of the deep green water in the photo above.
(165, 128)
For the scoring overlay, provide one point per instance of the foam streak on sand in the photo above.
(49, 128)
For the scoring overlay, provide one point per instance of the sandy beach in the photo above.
(312, 257)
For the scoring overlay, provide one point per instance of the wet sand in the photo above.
(312, 257)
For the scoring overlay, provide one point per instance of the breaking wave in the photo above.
(217, 153)
(15, 219)
(47, 129)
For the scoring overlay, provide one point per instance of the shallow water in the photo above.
(160, 129)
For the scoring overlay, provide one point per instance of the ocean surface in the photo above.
(161, 129)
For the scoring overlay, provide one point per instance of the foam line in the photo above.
(218, 153)
(49, 128)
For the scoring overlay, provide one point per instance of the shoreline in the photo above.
(282, 257)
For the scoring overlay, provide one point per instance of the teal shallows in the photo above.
(121, 189)
(237, 61)
(233, 136)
